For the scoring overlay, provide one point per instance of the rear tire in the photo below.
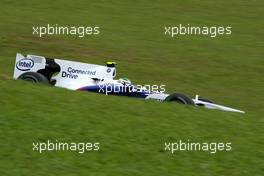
(180, 98)
(34, 77)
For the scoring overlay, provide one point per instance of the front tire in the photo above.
(180, 98)
(34, 77)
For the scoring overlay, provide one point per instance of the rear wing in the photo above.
(28, 64)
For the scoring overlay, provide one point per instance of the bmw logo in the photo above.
(108, 70)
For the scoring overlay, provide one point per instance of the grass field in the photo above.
(132, 132)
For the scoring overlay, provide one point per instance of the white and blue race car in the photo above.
(95, 78)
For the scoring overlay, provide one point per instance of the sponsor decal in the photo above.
(25, 64)
(73, 73)
(108, 70)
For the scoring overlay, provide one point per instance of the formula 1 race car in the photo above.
(95, 78)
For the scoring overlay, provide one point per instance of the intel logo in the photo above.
(25, 64)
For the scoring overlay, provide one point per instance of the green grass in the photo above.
(132, 132)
